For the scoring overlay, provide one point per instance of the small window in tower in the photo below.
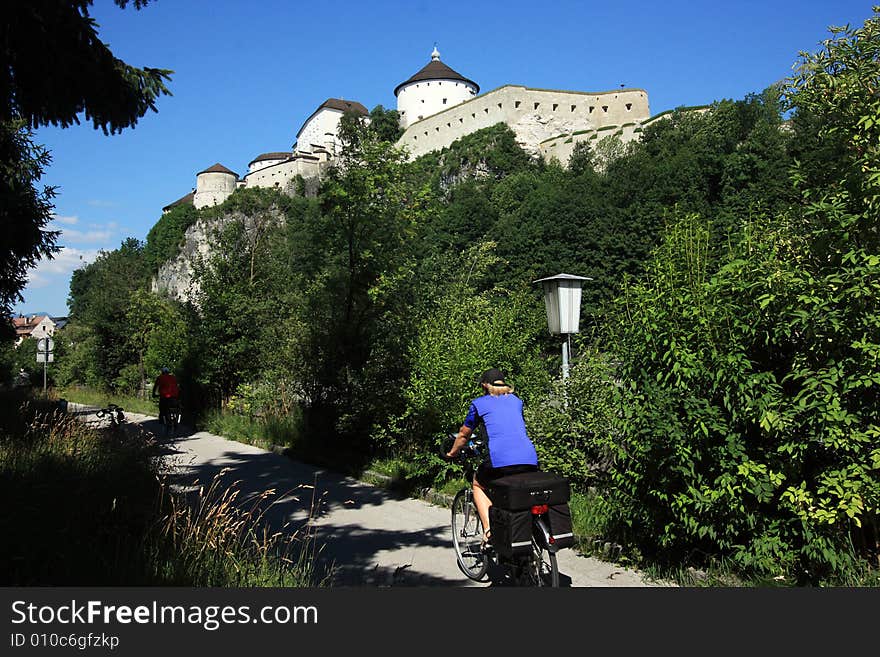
(460, 120)
(473, 115)
(423, 100)
(572, 107)
(499, 105)
(448, 125)
(591, 109)
(629, 106)
(536, 105)
(516, 105)
(555, 105)
(486, 110)
(604, 108)
(444, 101)
(426, 133)
(437, 128)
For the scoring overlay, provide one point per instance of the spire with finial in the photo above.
(435, 55)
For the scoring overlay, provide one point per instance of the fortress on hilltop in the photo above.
(437, 106)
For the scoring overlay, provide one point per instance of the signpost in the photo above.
(45, 356)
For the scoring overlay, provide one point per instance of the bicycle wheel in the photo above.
(467, 533)
(539, 568)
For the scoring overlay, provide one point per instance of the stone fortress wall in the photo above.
(535, 115)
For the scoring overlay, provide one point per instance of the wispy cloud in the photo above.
(100, 236)
(93, 234)
(58, 269)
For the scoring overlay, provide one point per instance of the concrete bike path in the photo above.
(369, 535)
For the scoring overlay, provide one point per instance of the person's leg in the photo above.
(482, 502)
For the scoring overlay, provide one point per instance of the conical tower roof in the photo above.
(436, 70)
(217, 168)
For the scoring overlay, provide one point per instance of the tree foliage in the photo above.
(54, 68)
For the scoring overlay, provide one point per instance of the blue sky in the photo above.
(247, 75)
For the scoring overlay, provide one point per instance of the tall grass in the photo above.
(211, 539)
(92, 397)
(90, 507)
(264, 432)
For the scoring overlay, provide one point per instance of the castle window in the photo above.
(536, 105)
(486, 110)
(516, 105)
(629, 106)
(572, 107)
(604, 108)
(555, 105)
(499, 105)
(444, 101)
(460, 120)
(591, 109)
(423, 100)
(437, 128)
(473, 115)
(448, 125)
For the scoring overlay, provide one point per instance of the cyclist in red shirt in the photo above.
(169, 393)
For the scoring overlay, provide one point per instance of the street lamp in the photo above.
(562, 297)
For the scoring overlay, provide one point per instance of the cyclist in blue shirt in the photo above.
(510, 449)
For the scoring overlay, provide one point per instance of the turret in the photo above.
(214, 185)
(433, 89)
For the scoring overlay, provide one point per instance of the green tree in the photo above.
(54, 69)
(747, 418)
(99, 297)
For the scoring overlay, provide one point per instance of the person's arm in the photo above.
(460, 441)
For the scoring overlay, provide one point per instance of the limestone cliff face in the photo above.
(176, 277)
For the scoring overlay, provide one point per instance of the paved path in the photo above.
(369, 535)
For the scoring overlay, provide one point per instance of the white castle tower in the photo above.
(214, 185)
(433, 89)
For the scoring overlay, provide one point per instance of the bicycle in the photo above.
(171, 418)
(536, 568)
(113, 413)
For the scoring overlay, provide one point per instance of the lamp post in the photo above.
(562, 298)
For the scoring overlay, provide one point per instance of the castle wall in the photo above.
(420, 99)
(535, 115)
(282, 174)
(262, 164)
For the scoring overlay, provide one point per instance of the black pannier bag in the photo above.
(518, 492)
(511, 531)
(559, 519)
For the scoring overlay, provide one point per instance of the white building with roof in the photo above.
(434, 88)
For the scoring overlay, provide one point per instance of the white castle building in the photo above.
(437, 106)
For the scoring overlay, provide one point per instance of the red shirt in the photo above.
(166, 384)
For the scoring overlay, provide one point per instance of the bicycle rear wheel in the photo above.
(539, 568)
(467, 534)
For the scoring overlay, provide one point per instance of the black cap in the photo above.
(493, 377)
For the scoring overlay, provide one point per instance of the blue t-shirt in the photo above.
(502, 416)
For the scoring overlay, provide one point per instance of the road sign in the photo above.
(41, 357)
(45, 344)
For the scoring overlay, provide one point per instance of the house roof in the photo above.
(184, 200)
(436, 70)
(218, 168)
(270, 156)
(336, 104)
(25, 324)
